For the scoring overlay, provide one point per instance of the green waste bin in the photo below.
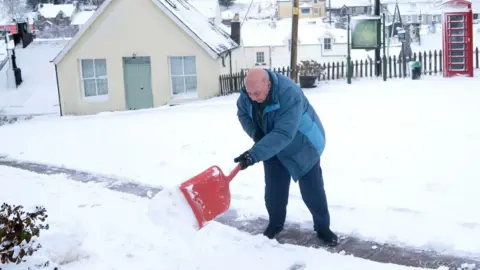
(415, 69)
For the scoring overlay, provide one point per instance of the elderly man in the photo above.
(289, 139)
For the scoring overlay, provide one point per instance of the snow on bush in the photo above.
(18, 232)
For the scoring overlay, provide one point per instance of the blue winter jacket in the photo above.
(293, 130)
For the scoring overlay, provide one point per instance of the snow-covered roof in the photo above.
(195, 23)
(207, 7)
(82, 17)
(51, 10)
(349, 3)
(211, 38)
(260, 33)
(416, 8)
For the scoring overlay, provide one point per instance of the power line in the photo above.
(248, 10)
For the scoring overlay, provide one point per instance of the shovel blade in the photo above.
(208, 194)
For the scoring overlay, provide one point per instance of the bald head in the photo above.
(257, 84)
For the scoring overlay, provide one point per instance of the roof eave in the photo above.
(171, 15)
(82, 31)
(227, 51)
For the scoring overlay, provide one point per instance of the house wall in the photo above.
(112, 37)
(279, 56)
(238, 62)
(251, 56)
(352, 10)
(285, 10)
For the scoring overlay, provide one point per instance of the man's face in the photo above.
(258, 90)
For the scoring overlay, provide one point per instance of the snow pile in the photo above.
(170, 210)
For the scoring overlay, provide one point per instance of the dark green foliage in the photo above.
(226, 3)
(18, 230)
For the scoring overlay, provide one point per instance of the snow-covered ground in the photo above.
(37, 94)
(95, 228)
(400, 164)
(3, 51)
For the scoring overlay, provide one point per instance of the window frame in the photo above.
(97, 97)
(329, 43)
(262, 54)
(184, 93)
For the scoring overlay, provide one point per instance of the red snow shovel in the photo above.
(208, 193)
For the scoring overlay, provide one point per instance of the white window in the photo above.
(315, 11)
(419, 18)
(409, 18)
(183, 74)
(94, 78)
(327, 44)
(260, 57)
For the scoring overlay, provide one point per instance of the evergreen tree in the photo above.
(226, 3)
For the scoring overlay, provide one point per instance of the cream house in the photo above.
(143, 54)
(307, 8)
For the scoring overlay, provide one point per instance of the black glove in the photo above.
(245, 160)
(258, 135)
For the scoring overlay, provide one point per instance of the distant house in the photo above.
(21, 28)
(307, 8)
(267, 44)
(209, 8)
(349, 7)
(424, 12)
(60, 15)
(170, 53)
(9, 24)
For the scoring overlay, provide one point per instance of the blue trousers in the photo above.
(277, 186)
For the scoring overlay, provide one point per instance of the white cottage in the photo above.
(267, 44)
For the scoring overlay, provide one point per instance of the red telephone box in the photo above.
(457, 37)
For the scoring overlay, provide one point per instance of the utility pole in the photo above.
(294, 42)
(330, 12)
(378, 63)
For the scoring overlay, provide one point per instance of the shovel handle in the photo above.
(233, 173)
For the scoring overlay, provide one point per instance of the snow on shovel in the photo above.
(208, 193)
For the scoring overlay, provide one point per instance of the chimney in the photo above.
(235, 28)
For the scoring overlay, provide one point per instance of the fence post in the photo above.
(384, 67)
(440, 66)
(361, 68)
(476, 57)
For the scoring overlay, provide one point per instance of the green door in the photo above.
(137, 76)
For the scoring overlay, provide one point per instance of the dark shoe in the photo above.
(272, 231)
(328, 237)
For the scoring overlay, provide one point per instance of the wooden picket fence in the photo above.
(396, 67)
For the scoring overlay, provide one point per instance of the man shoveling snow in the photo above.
(289, 139)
